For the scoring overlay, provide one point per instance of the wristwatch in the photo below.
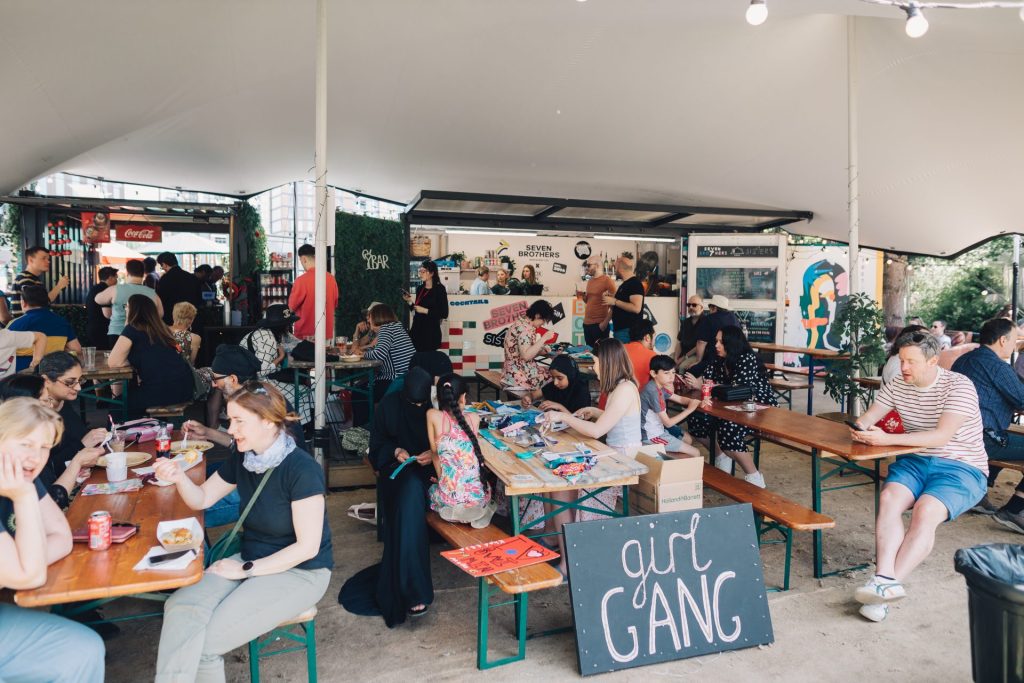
(247, 568)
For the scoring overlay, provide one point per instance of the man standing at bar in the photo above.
(628, 301)
(37, 262)
(939, 413)
(176, 285)
(301, 300)
(96, 321)
(596, 313)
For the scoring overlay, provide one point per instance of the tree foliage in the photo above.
(860, 324)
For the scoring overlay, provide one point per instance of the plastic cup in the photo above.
(117, 466)
(89, 357)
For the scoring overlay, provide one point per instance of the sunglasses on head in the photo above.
(254, 387)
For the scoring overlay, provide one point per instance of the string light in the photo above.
(917, 24)
(757, 13)
(984, 292)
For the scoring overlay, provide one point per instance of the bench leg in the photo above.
(254, 660)
(310, 630)
(789, 556)
(483, 623)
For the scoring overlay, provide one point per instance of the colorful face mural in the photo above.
(825, 288)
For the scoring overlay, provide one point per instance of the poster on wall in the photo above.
(759, 325)
(95, 228)
(817, 287)
(558, 261)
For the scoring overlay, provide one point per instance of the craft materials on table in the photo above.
(485, 559)
(745, 409)
(125, 486)
(490, 437)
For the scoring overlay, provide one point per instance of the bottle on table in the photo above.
(163, 441)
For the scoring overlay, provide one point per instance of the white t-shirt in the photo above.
(10, 342)
(921, 407)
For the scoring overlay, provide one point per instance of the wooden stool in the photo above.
(175, 414)
(307, 641)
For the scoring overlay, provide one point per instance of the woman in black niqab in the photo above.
(401, 581)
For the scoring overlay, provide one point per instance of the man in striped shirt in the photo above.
(37, 262)
(947, 476)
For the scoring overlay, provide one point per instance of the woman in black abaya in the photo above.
(400, 585)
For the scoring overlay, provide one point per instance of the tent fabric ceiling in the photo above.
(651, 101)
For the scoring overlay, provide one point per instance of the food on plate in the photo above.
(190, 456)
(179, 536)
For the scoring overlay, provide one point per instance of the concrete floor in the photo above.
(818, 634)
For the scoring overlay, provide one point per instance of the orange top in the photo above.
(596, 310)
(641, 357)
(301, 302)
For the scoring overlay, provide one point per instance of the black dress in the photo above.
(163, 377)
(402, 579)
(426, 327)
(748, 371)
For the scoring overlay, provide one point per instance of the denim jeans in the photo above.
(1013, 450)
(39, 646)
(226, 510)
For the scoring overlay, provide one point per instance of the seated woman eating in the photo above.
(736, 363)
(162, 376)
(523, 344)
(285, 561)
(37, 645)
(78, 446)
(568, 390)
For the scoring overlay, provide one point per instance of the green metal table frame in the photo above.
(349, 382)
(75, 608)
(92, 394)
(520, 601)
(837, 468)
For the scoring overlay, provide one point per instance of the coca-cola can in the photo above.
(99, 530)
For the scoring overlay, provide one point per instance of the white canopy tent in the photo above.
(669, 101)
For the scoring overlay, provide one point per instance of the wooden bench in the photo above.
(517, 582)
(175, 414)
(492, 379)
(782, 515)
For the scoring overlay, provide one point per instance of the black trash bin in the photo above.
(995, 591)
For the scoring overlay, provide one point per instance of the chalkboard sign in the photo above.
(737, 283)
(655, 588)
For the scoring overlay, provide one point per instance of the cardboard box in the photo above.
(669, 485)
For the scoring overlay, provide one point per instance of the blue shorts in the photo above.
(957, 485)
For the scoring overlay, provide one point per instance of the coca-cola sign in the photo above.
(138, 233)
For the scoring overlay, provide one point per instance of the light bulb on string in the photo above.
(916, 25)
(757, 13)
(984, 292)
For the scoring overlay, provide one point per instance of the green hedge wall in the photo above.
(368, 266)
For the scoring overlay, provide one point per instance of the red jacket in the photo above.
(301, 302)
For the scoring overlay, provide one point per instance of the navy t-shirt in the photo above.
(7, 522)
(268, 528)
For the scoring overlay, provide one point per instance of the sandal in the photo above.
(364, 512)
(418, 612)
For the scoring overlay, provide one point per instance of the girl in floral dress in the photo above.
(460, 494)
(523, 344)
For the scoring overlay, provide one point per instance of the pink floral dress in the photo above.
(519, 372)
(459, 482)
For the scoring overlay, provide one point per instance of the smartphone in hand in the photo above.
(854, 426)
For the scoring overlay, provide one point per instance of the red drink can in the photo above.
(99, 530)
(705, 389)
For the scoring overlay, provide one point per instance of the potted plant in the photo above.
(860, 324)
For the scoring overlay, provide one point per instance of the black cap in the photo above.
(237, 361)
(277, 315)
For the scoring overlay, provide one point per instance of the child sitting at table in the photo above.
(460, 494)
(567, 391)
(655, 424)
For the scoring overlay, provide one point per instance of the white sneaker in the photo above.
(874, 613)
(757, 479)
(878, 591)
(724, 463)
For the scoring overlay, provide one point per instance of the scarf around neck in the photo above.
(258, 463)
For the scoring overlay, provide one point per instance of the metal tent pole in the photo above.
(320, 239)
(851, 103)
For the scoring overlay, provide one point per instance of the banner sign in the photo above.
(129, 232)
(655, 588)
(738, 251)
(95, 228)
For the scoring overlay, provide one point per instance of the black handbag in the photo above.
(306, 350)
(731, 392)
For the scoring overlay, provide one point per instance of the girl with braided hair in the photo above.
(460, 494)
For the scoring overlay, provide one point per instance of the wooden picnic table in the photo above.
(102, 376)
(811, 353)
(532, 479)
(826, 440)
(102, 575)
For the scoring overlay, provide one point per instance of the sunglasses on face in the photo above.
(71, 383)
(693, 305)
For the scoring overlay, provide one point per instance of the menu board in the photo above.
(760, 325)
(738, 283)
